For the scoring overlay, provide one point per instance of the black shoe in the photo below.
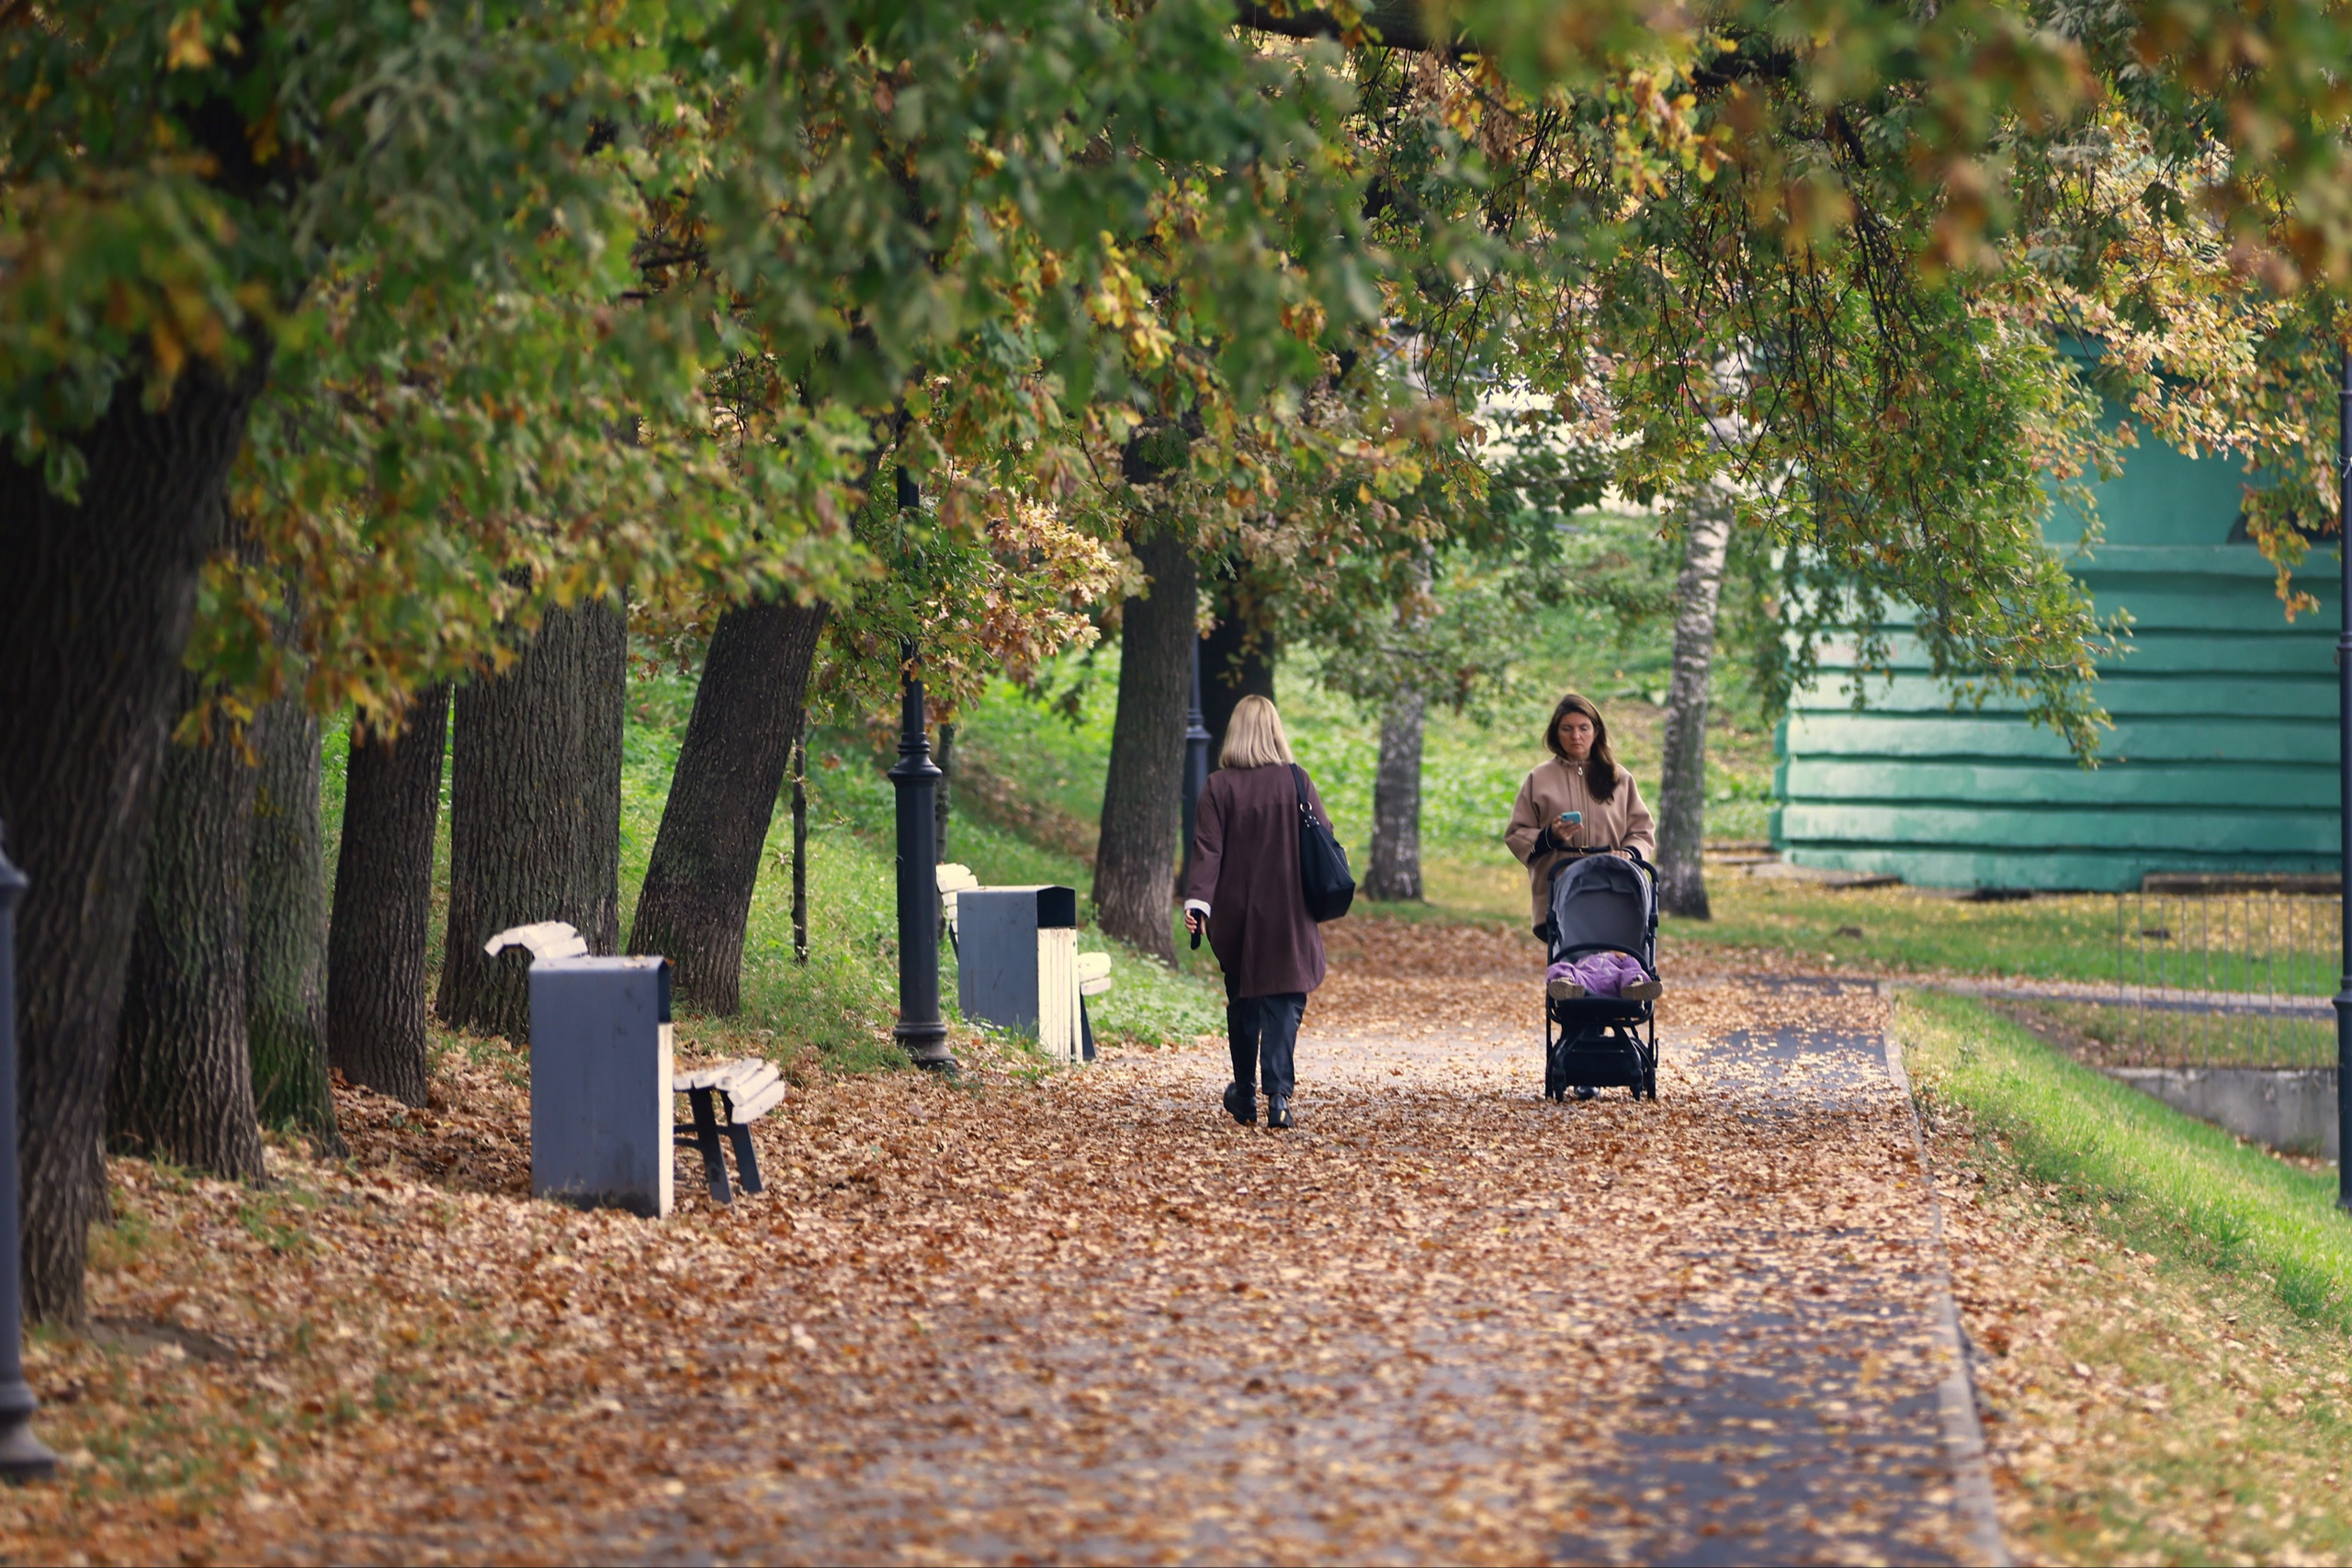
(1278, 1110)
(1241, 1104)
(1586, 1091)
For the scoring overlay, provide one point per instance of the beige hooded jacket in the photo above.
(1621, 822)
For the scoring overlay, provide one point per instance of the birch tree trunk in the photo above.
(1395, 869)
(1682, 794)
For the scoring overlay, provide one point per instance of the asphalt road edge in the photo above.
(1963, 1431)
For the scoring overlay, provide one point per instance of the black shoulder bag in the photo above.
(1323, 873)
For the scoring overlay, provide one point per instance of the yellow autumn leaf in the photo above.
(186, 49)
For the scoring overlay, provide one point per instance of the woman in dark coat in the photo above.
(1245, 893)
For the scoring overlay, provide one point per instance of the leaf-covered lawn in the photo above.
(1075, 1314)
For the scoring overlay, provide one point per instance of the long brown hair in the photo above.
(1601, 768)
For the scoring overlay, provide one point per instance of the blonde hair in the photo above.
(1253, 735)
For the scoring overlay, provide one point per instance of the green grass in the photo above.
(2154, 1037)
(1055, 757)
(1903, 930)
(1147, 1002)
(2131, 1164)
(842, 1002)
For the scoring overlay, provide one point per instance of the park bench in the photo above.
(728, 1096)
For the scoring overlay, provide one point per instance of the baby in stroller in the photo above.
(1601, 989)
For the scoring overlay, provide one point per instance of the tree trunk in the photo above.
(1682, 794)
(286, 932)
(528, 800)
(1395, 869)
(604, 654)
(946, 761)
(94, 605)
(383, 903)
(183, 1088)
(1232, 668)
(1143, 794)
(696, 901)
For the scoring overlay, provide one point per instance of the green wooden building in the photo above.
(2222, 758)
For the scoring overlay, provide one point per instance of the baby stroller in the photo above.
(1601, 902)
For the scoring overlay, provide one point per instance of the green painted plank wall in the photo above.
(2223, 757)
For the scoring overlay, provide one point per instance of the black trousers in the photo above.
(1263, 1033)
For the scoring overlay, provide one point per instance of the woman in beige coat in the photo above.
(1583, 780)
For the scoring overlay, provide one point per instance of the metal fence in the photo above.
(2213, 976)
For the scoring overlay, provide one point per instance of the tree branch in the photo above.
(1399, 24)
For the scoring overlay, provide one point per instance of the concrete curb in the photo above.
(1963, 1432)
(2161, 999)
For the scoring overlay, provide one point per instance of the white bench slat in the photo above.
(758, 1104)
(744, 1081)
(743, 1076)
(749, 1076)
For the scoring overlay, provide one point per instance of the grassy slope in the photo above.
(1044, 768)
(2170, 1386)
(838, 1004)
(2187, 1190)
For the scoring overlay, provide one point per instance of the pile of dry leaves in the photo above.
(1074, 1315)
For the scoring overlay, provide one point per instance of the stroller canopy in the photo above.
(1601, 901)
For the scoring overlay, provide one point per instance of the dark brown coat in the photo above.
(1245, 868)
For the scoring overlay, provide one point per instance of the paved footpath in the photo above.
(1443, 1319)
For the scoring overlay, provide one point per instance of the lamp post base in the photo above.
(926, 1046)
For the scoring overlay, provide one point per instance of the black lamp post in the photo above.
(2344, 784)
(920, 1031)
(22, 1455)
(1196, 761)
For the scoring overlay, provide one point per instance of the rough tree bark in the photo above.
(1682, 794)
(1143, 792)
(286, 932)
(604, 685)
(698, 895)
(94, 608)
(941, 807)
(1395, 869)
(528, 840)
(377, 941)
(1232, 668)
(182, 1088)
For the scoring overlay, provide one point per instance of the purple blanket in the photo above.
(1600, 974)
